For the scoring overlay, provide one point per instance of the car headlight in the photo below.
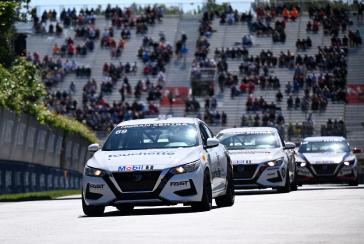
(94, 172)
(277, 162)
(349, 162)
(302, 164)
(186, 168)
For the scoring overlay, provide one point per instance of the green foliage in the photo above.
(42, 195)
(22, 91)
(7, 31)
(9, 13)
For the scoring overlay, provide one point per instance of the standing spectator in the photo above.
(223, 118)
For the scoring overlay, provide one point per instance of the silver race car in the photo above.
(327, 159)
(261, 159)
(161, 161)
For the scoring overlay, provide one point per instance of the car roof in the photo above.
(249, 129)
(324, 138)
(160, 119)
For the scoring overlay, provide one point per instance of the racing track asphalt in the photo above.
(314, 214)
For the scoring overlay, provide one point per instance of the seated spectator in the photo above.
(294, 13)
(247, 40)
(56, 50)
(290, 102)
(279, 96)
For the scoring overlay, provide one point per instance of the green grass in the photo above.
(31, 196)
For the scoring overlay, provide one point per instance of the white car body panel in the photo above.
(145, 162)
(308, 163)
(263, 176)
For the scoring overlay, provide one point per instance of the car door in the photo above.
(290, 160)
(218, 158)
(211, 156)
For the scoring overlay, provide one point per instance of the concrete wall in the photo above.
(45, 154)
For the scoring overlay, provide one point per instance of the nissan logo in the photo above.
(137, 177)
(240, 168)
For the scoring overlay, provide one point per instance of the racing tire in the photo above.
(206, 201)
(228, 198)
(92, 211)
(287, 186)
(354, 182)
(294, 183)
(125, 208)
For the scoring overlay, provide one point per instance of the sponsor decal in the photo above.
(248, 133)
(203, 157)
(247, 152)
(179, 183)
(242, 162)
(151, 125)
(96, 186)
(140, 167)
(121, 131)
(141, 154)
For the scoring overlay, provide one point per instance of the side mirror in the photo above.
(212, 142)
(93, 147)
(356, 150)
(290, 145)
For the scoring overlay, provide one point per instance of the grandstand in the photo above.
(178, 69)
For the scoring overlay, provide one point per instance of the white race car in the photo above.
(161, 161)
(261, 159)
(327, 159)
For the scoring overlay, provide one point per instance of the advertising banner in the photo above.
(355, 93)
(177, 95)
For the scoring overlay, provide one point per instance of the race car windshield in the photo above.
(324, 146)
(249, 141)
(151, 136)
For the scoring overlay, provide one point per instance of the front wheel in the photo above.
(92, 211)
(287, 186)
(294, 183)
(228, 199)
(206, 201)
(354, 182)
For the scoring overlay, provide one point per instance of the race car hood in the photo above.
(324, 158)
(255, 156)
(151, 159)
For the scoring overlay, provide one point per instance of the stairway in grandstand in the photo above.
(227, 35)
(178, 72)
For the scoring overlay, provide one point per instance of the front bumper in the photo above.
(139, 188)
(250, 176)
(326, 173)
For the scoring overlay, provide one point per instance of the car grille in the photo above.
(324, 169)
(136, 180)
(244, 171)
